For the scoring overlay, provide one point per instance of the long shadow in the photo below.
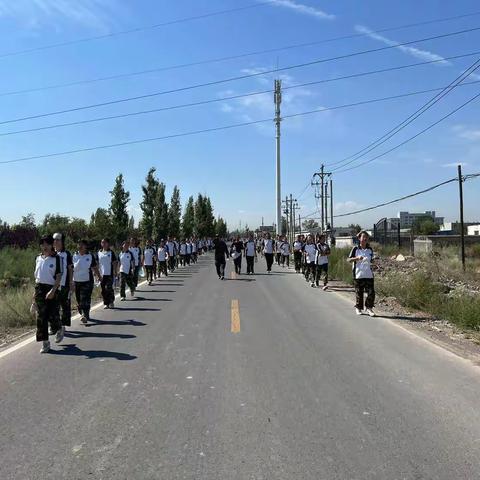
(403, 317)
(240, 280)
(168, 284)
(271, 274)
(77, 334)
(341, 289)
(161, 291)
(143, 299)
(137, 309)
(74, 351)
(133, 323)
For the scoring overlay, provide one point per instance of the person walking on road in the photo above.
(127, 267)
(84, 266)
(310, 257)
(250, 254)
(268, 251)
(323, 251)
(48, 276)
(361, 258)
(172, 253)
(297, 253)
(236, 253)
(221, 255)
(137, 258)
(64, 293)
(285, 250)
(148, 260)
(107, 265)
(278, 250)
(162, 259)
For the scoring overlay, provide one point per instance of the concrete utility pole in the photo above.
(331, 205)
(278, 120)
(462, 227)
(326, 204)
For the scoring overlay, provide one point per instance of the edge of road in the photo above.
(17, 343)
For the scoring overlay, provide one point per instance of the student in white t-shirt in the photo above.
(162, 259)
(250, 254)
(137, 258)
(323, 251)
(148, 260)
(127, 267)
(310, 251)
(268, 248)
(285, 251)
(48, 275)
(361, 258)
(297, 253)
(107, 265)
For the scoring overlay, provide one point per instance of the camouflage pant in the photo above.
(46, 312)
(65, 305)
(136, 273)
(126, 279)
(108, 294)
(83, 294)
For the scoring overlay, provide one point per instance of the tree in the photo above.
(425, 226)
(100, 224)
(221, 228)
(310, 224)
(118, 209)
(200, 216)
(174, 213)
(148, 204)
(160, 214)
(209, 218)
(354, 228)
(188, 221)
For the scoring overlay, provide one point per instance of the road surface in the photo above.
(255, 378)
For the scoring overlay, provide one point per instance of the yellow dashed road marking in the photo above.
(235, 316)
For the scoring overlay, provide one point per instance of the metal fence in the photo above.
(386, 234)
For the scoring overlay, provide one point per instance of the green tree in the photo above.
(200, 216)
(118, 209)
(188, 222)
(310, 224)
(100, 224)
(209, 217)
(425, 226)
(221, 228)
(354, 228)
(160, 214)
(174, 213)
(148, 204)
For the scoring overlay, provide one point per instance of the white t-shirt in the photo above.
(172, 249)
(268, 246)
(362, 269)
(82, 267)
(323, 250)
(105, 262)
(162, 254)
(148, 254)
(46, 269)
(126, 262)
(297, 246)
(65, 262)
(285, 248)
(183, 249)
(311, 252)
(250, 248)
(189, 248)
(136, 252)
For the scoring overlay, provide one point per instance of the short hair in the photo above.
(362, 232)
(106, 239)
(83, 242)
(48, 239)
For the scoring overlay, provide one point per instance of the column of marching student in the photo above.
(59, 275)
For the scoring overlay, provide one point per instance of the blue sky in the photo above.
(235, 167)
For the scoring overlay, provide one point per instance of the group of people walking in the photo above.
(60, 274)
(310, 257)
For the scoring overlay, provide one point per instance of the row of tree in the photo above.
(159, 218)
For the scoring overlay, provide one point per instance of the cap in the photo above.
(57, 236)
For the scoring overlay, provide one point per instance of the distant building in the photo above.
(453, 228)
(266, 228)
(407, 219)
(473, 230)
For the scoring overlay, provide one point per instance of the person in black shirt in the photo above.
(221, 254)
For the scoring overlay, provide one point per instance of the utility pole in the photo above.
(299, 224)
(462, 231)
(322, 193)
(278, 120)
(331, 205)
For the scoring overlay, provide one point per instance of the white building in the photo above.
(407, 219)
(473, 230)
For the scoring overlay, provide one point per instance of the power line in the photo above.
(222, 99)
(214, 129)
(231, 57)
(144, 28)
(237, 78)
(410, 119)
(413, 137)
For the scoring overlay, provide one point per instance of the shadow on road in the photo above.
(137, 309)
(143, 299)
(160, 291)
(133, 323)
(412, 318)
(73, 350)
(84, 334)
(240, 279)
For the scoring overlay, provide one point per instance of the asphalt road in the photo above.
(161, 388)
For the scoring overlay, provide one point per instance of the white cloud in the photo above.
(413, 51)
(470, 134)
(454, 164)
(303, 9)
(347, 206)
(94, 14)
